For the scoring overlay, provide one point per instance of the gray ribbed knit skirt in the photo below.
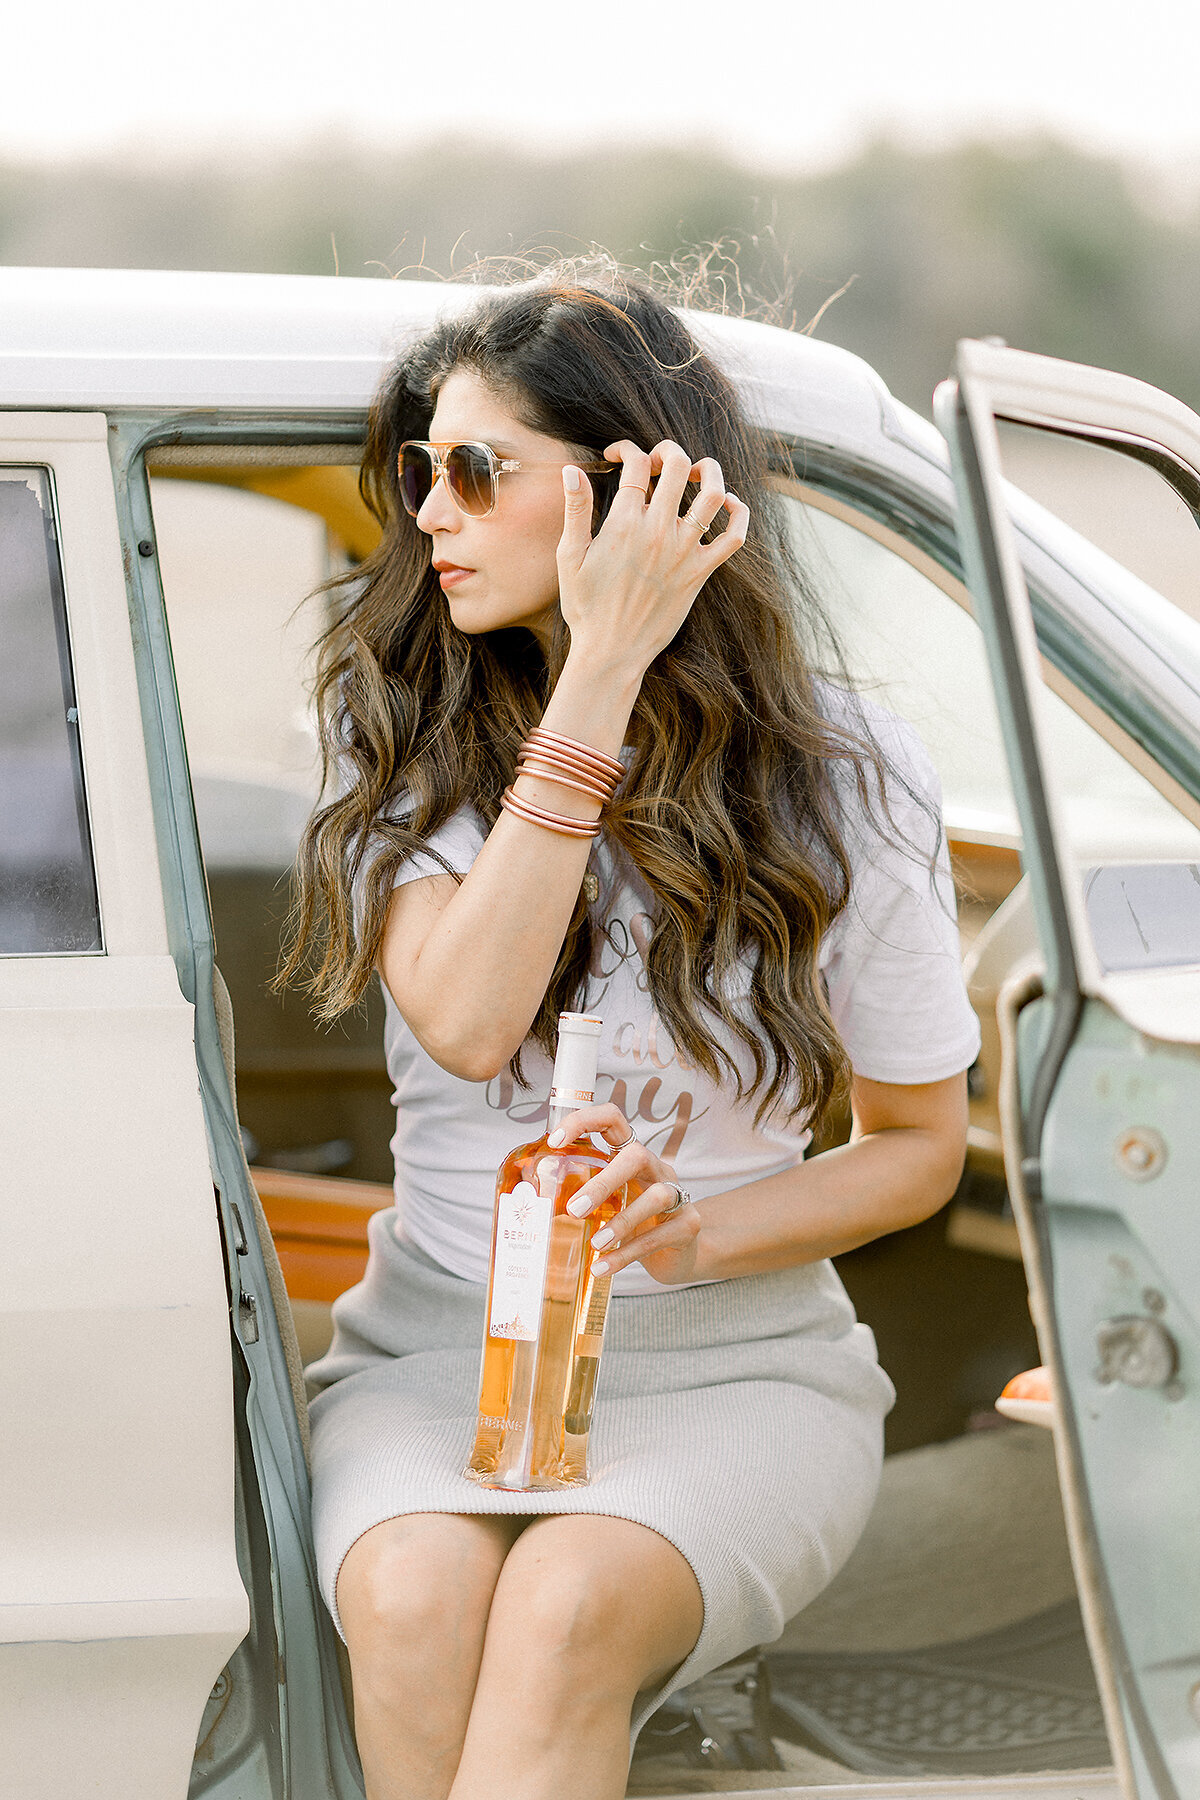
(741, 1420)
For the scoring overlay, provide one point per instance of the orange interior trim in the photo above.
(319, 1226)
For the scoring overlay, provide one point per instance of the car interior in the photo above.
(951, 1644)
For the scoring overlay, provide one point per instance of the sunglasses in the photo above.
(471, 471)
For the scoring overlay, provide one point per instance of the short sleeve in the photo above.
(458, 841)
(892, 960)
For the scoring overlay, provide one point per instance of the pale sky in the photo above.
(799, 82)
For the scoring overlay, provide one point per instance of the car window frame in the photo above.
(905, 523)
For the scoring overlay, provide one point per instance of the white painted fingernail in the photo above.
(603, 1237)
(579, 1204)
(556, 1138)
(571, 478)
(599, 1267)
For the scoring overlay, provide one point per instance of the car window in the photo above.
(910, 645)
(1119, 504)
(48, 900)
(239, 571)
(236, 569)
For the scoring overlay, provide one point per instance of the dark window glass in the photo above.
(47, 882)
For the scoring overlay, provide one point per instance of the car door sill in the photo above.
(1065, 1784)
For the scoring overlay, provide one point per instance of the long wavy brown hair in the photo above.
(733, 811)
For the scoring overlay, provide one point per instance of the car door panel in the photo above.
(264, 1731)
(1101, 1094)
(120, 1595)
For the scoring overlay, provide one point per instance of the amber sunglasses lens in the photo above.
(416, 477)
(469, 473)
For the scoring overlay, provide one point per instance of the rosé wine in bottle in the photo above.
(545, 1310)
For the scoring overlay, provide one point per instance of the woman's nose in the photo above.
(437, 511)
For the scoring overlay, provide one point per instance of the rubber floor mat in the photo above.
(1016, 1700)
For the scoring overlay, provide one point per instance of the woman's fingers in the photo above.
(651, 1221)
(603, 1119)
(636, 472)
(674, 467)
(609, 1122)
(633, 1164)
(710, 499)
(621, 1243)
(722, 547)
(577, 518)
(628, 590)
(653, 1198)
(655, 481)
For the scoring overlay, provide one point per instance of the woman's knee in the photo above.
(571, 1607)
(409, 1583)
(587, 1598)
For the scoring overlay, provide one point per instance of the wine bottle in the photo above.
(544, 1329)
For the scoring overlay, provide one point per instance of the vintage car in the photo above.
(177, 477)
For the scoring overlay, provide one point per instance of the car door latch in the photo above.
(247, 1318)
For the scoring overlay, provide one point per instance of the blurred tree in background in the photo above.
(1049, 248)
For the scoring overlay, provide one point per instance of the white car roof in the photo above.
(133, 338)
(114, 339)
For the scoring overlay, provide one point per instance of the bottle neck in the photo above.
(562, 1109)
(574, 1080)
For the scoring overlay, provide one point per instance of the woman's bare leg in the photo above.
(586, 1612)
(414, 1594)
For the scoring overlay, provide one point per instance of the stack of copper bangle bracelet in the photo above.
(571, 764)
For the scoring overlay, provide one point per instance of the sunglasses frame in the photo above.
(440, 453)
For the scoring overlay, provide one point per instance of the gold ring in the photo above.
(691, 519)
(631, 487)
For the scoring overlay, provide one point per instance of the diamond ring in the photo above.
(682, 1198)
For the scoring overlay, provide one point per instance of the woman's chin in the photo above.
(474, 617)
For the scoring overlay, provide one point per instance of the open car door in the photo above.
(275, 1722)
(121, 1596)
(1102, 1049)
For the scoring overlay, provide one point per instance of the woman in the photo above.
(763, 918)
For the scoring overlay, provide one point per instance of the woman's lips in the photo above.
(449, 574)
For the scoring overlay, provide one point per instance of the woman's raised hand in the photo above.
(625, 593)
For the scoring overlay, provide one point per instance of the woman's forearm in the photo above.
(832, 1203)
(474, 988)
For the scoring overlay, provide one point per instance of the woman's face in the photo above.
(500, 570)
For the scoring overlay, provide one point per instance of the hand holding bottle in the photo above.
(653, 1228)
(625, 593)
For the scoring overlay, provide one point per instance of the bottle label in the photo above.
(591, 1332)
(593, 1324)
(522, 1250)
(566, 1096)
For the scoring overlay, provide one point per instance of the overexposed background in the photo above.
(903, 176)
(784, 82)
(892, 178)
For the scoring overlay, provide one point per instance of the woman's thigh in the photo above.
(578, 1589)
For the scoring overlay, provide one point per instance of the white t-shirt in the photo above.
(892, 973)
